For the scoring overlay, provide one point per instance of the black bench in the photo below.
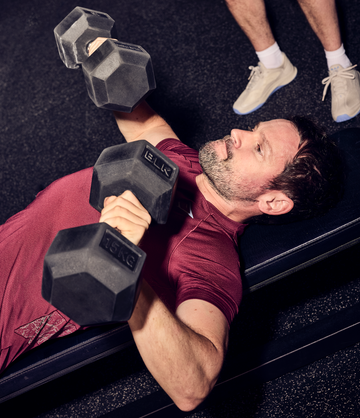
(268, 253)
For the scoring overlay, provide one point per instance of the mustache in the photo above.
(208, 146)
(228, 142)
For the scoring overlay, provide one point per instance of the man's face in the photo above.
(241, 165)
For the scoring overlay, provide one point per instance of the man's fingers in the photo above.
(125, 225)
(128, 195)
(132, 224)
(126, 214)
(126, 200)
(133, 232)
(95, 45)
(108, 200)
(123, 216)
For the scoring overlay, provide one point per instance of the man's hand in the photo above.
(95, 45)
(126, 214)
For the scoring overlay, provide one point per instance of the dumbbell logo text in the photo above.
(128, 46)
(95, 13)
(117, 249)
(157, 162)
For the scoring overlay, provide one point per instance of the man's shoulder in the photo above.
(179, 152)
(66, 201)
(172, 144)
(71, 183)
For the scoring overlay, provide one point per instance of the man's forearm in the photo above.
(143, 123)
(185, 364)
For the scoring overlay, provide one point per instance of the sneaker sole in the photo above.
(345, 117)
(262, 104)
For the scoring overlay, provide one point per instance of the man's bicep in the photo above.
(159, 133)
(143, 123)
(206, 319)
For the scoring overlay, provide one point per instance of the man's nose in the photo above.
(240, 137)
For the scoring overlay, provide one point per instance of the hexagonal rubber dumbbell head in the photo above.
(92, 274)
(119, 76)
(77, 30)
(139, 167)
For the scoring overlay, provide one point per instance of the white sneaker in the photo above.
(345, 92)
(263, 82)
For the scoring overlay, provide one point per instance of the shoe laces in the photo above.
(336, 77)
(254, 75)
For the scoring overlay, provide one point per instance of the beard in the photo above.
(221, 176)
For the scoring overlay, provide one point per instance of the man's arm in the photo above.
(183, 351)
(143, 123)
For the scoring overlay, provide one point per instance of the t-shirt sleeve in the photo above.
(180, 153)
(215, 292)
(208, 272)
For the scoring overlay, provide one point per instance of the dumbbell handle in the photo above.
(88, 46)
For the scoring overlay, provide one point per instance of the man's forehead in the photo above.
(275, 122)
(279, 124)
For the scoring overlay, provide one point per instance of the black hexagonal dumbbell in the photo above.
(92, 273)
(118, 75)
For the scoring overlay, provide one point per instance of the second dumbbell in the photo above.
(118, 75)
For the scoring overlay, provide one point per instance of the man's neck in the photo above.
(236, 212)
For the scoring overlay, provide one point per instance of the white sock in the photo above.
(271, 57)
(337, 57)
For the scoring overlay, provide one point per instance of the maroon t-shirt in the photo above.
(193, 256)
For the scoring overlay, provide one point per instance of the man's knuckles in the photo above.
(125, 205)
(108, 200)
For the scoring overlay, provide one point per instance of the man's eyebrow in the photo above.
(266, 143)
(268, 150)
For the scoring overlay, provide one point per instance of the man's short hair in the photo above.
(314, 179)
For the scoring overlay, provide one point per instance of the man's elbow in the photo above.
(188, 404)
(194, 389)
(189, 399)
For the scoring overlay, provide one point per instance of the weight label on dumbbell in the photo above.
(111, 244)
(157, 162)
(128, 46)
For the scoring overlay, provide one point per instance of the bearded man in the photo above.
(191, 288)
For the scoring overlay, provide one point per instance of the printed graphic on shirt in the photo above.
(185, 206)
(42, 329)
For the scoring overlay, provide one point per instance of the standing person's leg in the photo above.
(323, 19)
(345, 81)
(274, 69)
(251, 17)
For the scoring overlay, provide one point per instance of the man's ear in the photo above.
(275, 202)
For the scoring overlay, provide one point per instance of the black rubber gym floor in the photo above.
(50, 128)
